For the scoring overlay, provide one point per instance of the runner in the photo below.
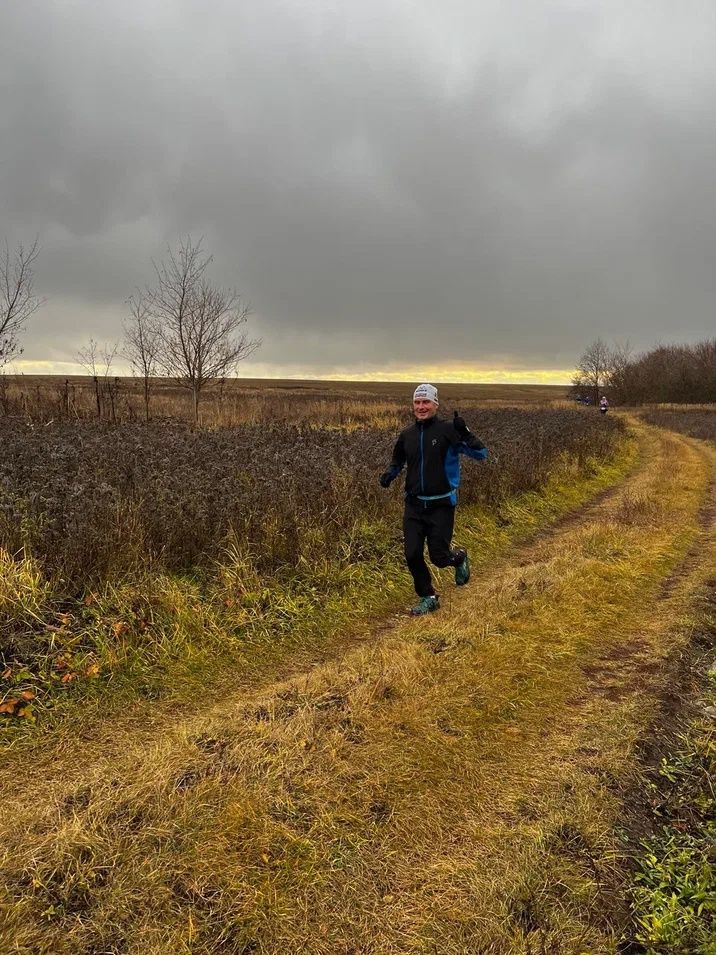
(429, 450)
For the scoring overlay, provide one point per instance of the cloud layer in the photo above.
(390, 184)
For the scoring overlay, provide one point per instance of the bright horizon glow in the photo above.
(452, 372)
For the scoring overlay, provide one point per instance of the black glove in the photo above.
(385, 479)
(459, 425)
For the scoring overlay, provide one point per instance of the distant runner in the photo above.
(603, 404)
(429, 450)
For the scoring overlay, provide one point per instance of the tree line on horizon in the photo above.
(664, 374)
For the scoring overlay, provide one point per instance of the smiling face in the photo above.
(423, 408)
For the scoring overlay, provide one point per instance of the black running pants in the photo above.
(433, 524)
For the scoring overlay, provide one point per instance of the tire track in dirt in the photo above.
(626, 670)
(707, 521)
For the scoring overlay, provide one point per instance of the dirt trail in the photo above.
(412, 794)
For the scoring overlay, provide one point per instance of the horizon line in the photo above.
(452, 374)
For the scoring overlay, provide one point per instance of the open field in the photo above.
(247, 400)
(502, 393)
(252, 750)
(88, 499)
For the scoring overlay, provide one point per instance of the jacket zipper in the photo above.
(422, 463)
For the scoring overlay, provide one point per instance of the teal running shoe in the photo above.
(462, 572)
(426, 605)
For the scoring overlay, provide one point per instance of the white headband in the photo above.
(426, 391)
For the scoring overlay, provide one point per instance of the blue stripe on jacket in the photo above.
(452, 465)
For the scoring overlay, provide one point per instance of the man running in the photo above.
(429, 450)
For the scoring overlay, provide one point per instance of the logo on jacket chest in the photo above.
(435, 441)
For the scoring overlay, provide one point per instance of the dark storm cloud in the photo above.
(384, 181)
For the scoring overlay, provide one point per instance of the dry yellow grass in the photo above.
(451, 787)
(243, 400)
(400, 390)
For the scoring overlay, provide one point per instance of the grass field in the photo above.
(324, 388)
(245, 400)
(245, 758)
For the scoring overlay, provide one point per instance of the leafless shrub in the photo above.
(98, 364)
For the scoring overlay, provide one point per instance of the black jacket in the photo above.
(430, 451)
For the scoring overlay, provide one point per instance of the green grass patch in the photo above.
(674, 895)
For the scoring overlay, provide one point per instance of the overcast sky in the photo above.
(432, 188)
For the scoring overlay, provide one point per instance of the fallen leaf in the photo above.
(27, 695)
(120, 628)
(265, 857)
(68, 677)
(8, 706)
(26, 713)
(92, 670)
(7, 674)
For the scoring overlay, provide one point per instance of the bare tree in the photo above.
(593, 368)
(705, 359)
(618, 371)
(672, 373)
(98, 363)
(18, 301)
(142, 343)
(201, 327)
